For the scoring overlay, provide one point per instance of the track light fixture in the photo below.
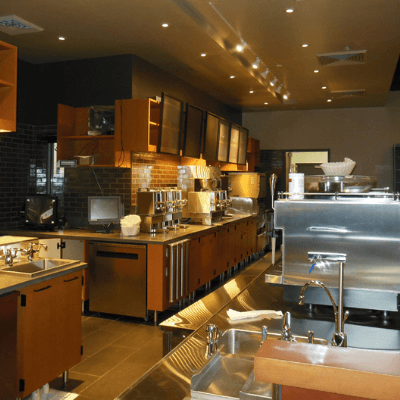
(286, 95)
(265, 73)
(256, 64)
(279, 89)
(273, 82)
(240, 47)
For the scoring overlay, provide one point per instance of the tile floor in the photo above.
(117, 351)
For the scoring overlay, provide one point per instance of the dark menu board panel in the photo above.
(170, 125)
(243, 137)
(223, 141)
(234, 144)
(211, 140)
(193, 132)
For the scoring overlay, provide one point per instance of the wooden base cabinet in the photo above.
(49, 331)
(8, 345)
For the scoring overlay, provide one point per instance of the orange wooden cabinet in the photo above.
(8, 345)
(138, 121)
(49, 331)
(8, 88)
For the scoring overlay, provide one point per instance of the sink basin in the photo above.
(236, 341)
(37, 267)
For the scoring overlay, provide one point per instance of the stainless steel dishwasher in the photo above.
(118, 279)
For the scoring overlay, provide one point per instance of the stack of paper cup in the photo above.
(296, 185)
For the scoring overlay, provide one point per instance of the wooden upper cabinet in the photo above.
(138, 121)
(8, 88)
(253, 154)
(73, 140)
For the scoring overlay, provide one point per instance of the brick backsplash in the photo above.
(80, 183)
(151, 170)
(23, 165)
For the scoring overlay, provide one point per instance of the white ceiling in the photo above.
(96, 28)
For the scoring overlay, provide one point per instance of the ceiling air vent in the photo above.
(348, 93)
(13, 25)
(343, 58)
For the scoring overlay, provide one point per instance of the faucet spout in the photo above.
(339, 337)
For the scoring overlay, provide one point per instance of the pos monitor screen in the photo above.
(105, 211)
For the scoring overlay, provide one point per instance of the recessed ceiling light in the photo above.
(165, 25)
(289, 10)
(316, 71)
(203, 54)
(266, 104)
(324, 87)
(304, 45)
(251, 91)
(329, 100)
(61, 38)
(279, 65)
(232, 76)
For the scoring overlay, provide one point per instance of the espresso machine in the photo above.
(160, 209)
(207, 202)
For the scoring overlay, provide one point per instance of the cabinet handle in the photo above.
(41, 290)
(72, 279)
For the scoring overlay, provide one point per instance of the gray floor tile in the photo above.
(103, 360)
(139, 337)
(114, 382)
(92, 324)
(75, 384)
(120, 326)
(98, 340)
(150, 353)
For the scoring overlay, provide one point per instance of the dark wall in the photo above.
(78, 83)
(149, 80)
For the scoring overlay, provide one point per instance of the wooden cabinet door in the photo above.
(49, 331)
(222, 250)
(195, 263)
(231, 252)
(8, 345)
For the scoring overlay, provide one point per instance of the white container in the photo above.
(130, 230)
(296, 185)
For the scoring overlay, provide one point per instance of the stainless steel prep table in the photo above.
(170, 378)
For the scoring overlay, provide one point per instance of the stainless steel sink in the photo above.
(38, 267)
(236, 341)
(229, 373)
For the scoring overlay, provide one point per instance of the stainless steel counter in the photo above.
(145, 238)
(170, 378)
(8, 283)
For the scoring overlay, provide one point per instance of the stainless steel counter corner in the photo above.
(8, 282)
(170, 378)
(115, 237)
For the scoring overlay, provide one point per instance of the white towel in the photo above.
(271, 314)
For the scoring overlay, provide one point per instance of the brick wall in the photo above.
(79, 183)
(153, 171)
(23, 165)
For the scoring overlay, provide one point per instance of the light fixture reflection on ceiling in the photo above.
(265, 73)
(273, 82)
(240, 47)
(165, 25)
(256, 64)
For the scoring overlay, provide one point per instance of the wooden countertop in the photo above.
(145, 238)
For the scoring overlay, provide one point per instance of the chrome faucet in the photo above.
(339, 338)
(30, 251)
(9, 256)
(287, 328)
(213, 334)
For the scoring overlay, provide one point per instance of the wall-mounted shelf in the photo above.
(8, 88)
